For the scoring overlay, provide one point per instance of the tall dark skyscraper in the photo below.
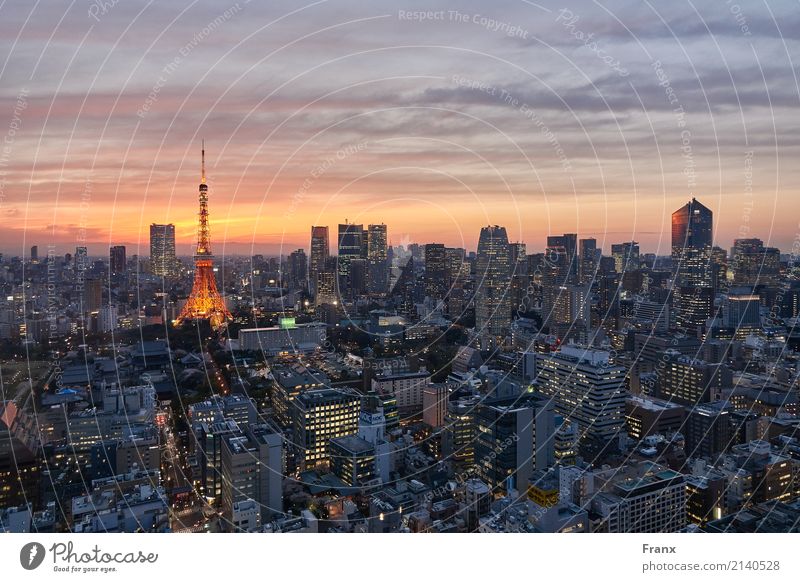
(566, 246)
(458, 271)
(320, 251)
(297, 269)
(587, 256)
(377, 258)
(351, 246)
(162, 249)
(692, 241)
(692, 234)
(34, 254)
(435, 271)
(117, 260)
(559, 270)
(92, 297)
(626, 256)
(492, 285)
(753, 263)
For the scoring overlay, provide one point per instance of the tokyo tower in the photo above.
(205, 301)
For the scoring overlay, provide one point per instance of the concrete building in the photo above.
(641, 498)
(407, 387)
(352, 459)
(514, 437)
(287, 338)
(323, 415)
(587, 390)
(434, 404)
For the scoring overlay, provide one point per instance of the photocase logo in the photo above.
(31, 555)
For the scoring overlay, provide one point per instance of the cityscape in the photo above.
(418, 388)
(393, 330)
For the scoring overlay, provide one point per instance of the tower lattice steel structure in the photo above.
(205, 301)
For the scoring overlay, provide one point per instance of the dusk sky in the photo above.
(596, 118)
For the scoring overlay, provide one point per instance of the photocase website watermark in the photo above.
(98, 8)
(64, 557)
(570, 20)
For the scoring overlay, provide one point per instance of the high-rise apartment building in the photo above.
(351, 246)
(297, 269)
(436, 271)
(587, 260)
(117, 260)
(320, 251)
(626, 256)
(754, 264)
(377, 259)
(492, 285)
(162, 249)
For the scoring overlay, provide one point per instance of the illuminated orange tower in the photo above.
(204, 301)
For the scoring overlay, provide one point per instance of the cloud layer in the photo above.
(436, 118)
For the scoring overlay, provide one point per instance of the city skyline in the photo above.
(186, 250)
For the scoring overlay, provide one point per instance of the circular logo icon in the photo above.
(31, 555)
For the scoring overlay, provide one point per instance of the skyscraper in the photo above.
(587, 256)
(492, 282)
(350, 246)
(377, 259)
(565, 245)
(403, 290)
(297, 269)
(458, 271)
(320, 252)
(92, 297)
(435, 271)
(325, 284)
(626, 256)
(692, 232)
(81, 261)
(162, 249)
(117, 260)
(753, 263)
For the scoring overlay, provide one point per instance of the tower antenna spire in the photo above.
(203, 161)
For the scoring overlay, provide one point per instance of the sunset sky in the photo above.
(597, 118)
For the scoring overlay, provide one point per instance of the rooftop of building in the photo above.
(353, 444)
(323, 395)
(652, 404)
(771, 517)
(311, 324)
(297, 375)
